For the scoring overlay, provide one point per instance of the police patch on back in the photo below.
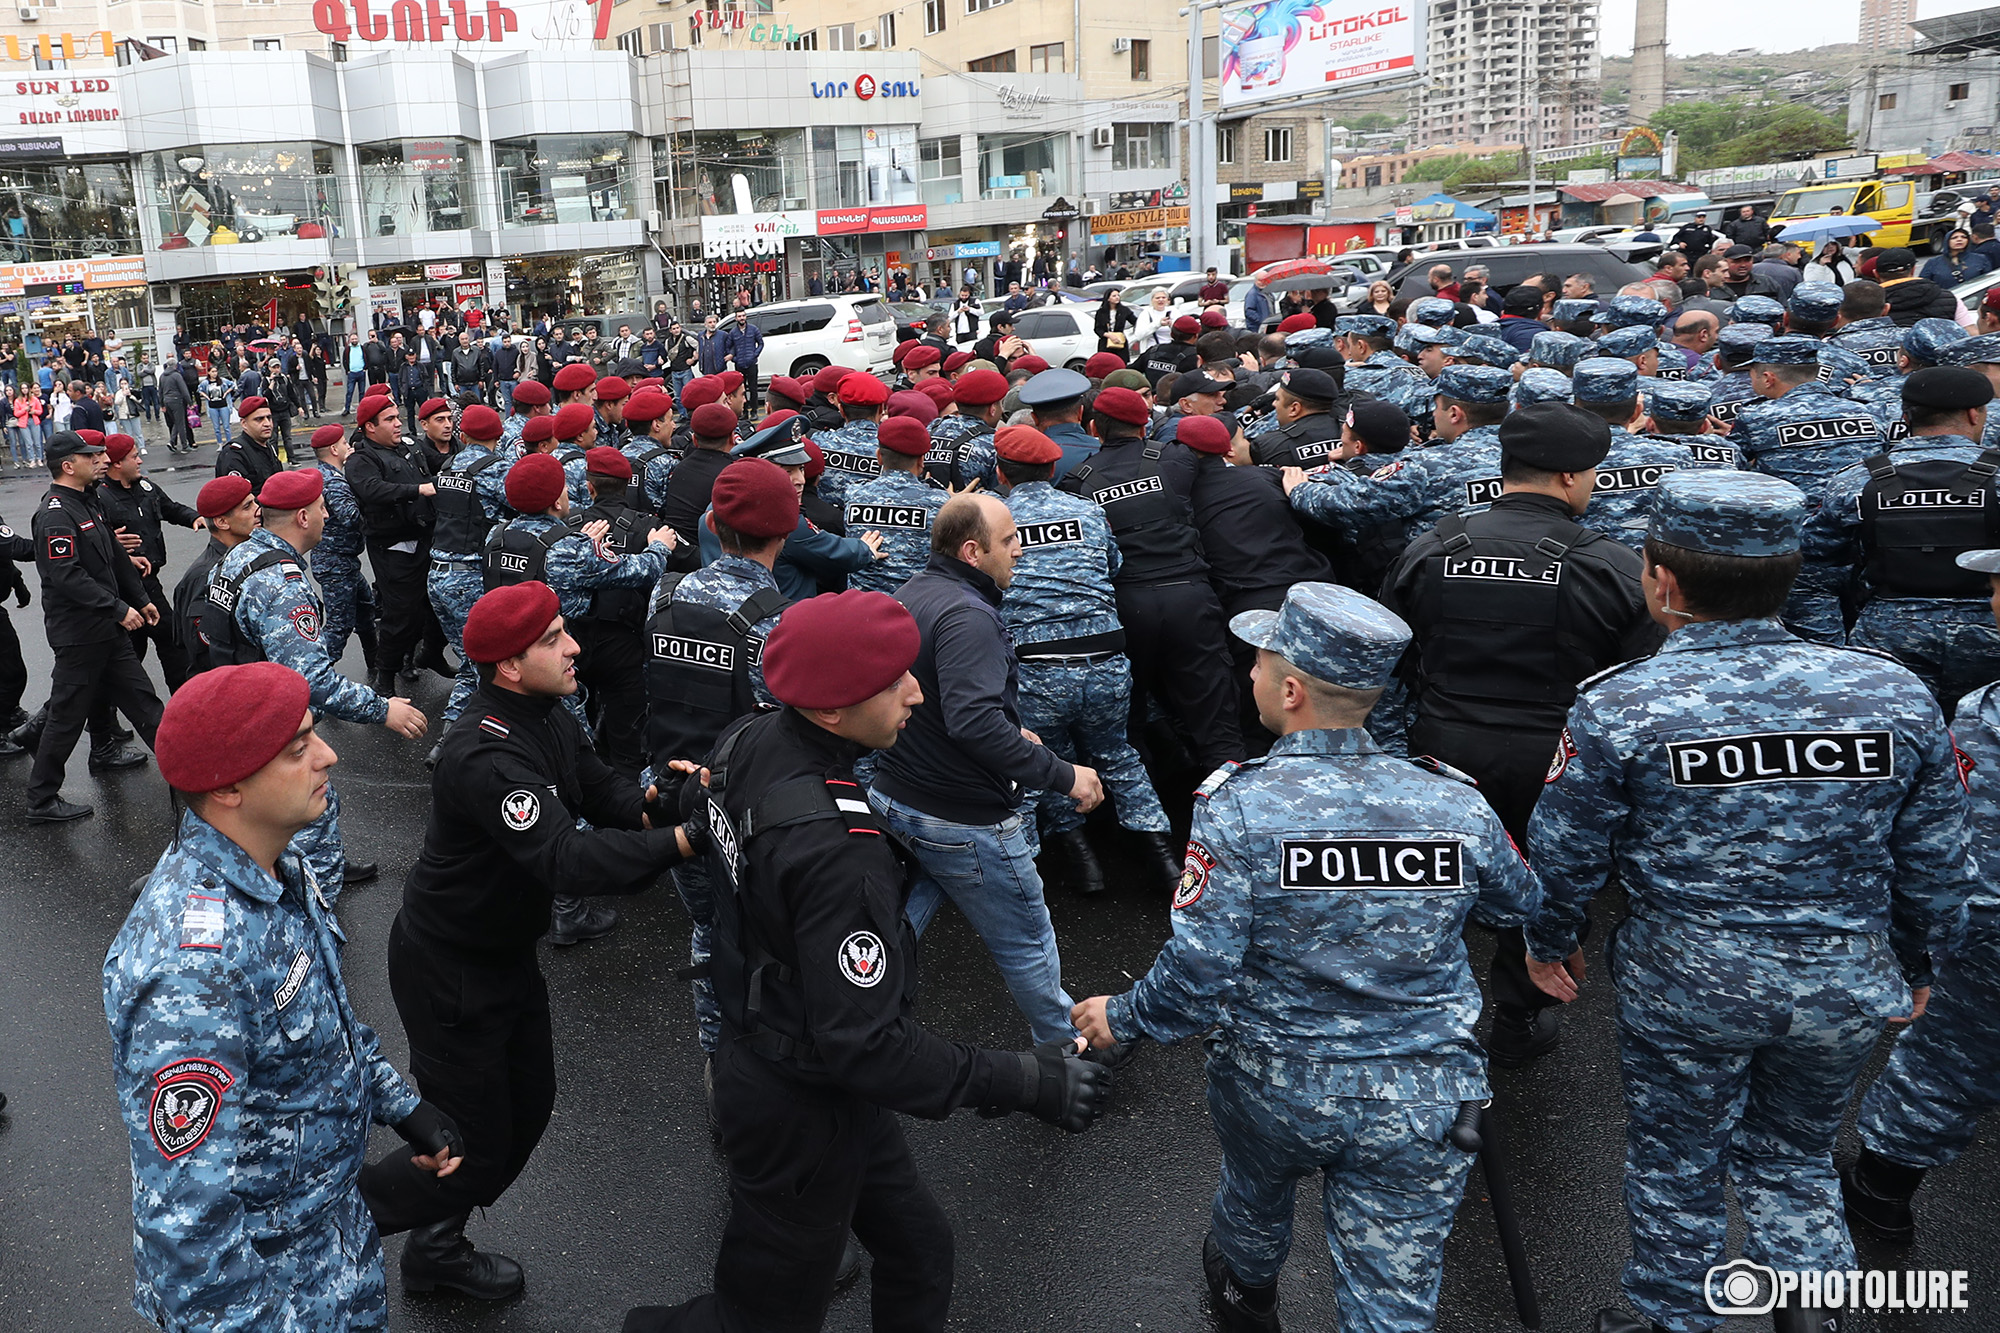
(1306, 864)
(1783, 756)
(1055, 532)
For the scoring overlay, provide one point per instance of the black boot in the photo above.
(439, 1255)
(851, 1260)
(576, 919)
(1157, 852)
(1237, 1308)
(1521, 1036)
(1085, 875)
(431, 759)
(384, 684)
(58, 811)
(357, 872)
(29, 734)
(1791, 1320)
(433, 659)
(114, 755)
(1877, 1193)
(1624, 1321)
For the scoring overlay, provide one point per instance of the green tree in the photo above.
(1738, 131)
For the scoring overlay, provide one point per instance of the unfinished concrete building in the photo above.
(1511, 71)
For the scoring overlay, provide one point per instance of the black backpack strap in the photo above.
(1879, 467)
(555, 534)
(1152, 450)
(491, 459)
(757, 606)
(1978, 474)
(1451, 530)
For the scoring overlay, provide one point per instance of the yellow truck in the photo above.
(1893, 203)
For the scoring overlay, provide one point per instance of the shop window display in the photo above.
(66, 210)
(223, 194)
(565, 178)
(412, 186)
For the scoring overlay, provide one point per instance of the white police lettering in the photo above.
(1370, 863)
(1826, 430)
(1714, 453)
(510, 563)
(1725, 412)
(295, 978)
(695, 652)
(1938, 499)
(913, 517)
(1128, 490)
(1671, 373)
(1783, 756)
(1482, 490)
(454, 481)
(1057, 532)
(1644, 477)
(1501, 569)
(1309, 449)
(1878, 356)
(723, 834)
(861, 466)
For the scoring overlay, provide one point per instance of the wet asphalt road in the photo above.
(624, 1201)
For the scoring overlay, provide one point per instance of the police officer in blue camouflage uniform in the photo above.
(246, 1080)
(572, 433)
(471, 498)
(1609, 389)
(1634, 343)
(1075, 680)
(1436, 311)
(1056, 397)
(900, 504)
(1758, 310)
(336, 561)
(1813, 309)
(1941, 1078)
(1787, 821)
(1866, 329)
(1925, 343)
(1373, 368)
(649, 419)
(1982, 353)
(815, 559)
(270, 612)
(1537, 385)
(1730, 388)
(1888, 530)
(1572, 310)
(962, 443)
(1329, 849)
(1679, 412)
(1480, 350)
(850, 450)
(531, 400)
(1556, 350)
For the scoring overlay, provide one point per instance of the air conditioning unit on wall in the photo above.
(1100, 137)
(864, 40)
(1120, 45)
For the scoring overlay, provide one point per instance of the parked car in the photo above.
(911, 317)
(805, 337)
(1973, 290)
(1507, 265)
(1062, 335)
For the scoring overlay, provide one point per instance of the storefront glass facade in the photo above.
(855, 165)
(727, 172)
(412, 186)
(66, 210)
(566, 178)
(1022, 166)
(220, 194)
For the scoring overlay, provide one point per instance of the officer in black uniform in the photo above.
(815, 967)
(1174, 628)
(1163, 361)
(14, 547)
(613, 660)
(250, 454)
(395, 489)
(232, 514)
(136, 508)
(92, 596)
(1512, 609)
(714, 435)
(1310, 429)
(516, 775)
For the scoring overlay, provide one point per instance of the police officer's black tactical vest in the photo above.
(1493, 606)
(698, 670)
(1916, 517)
(1146, 515)
(642, 461)
(1164, 359)
(941, 460)
(228, 645)
(462, 524)
(517, 554)
(624, 607)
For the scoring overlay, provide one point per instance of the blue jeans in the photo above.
(218, 417)
(149, 399)
(17, 441)
(503, 394)
(680, 380)
(989, 872)
(357, 384)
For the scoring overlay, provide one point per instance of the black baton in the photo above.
(1476, 1131)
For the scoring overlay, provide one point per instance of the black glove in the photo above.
(21, 597)
(1061, 1087)
(693, 797)
(431, 1132)
(696, 833)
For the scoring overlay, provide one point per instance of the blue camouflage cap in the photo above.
(1433, 310)
(1727, 513)
(1787, 349)
(1554, 348)
(1677, 400)
(1331, 633)
(1452, 335)
(1756, 310)
(1572, 308)
(1984, 561)
(1541, 386)
(1474, 384)
(1926, 339)
(1412, 336)
(1815, 301)
(1489, 350)
(1603, 379)
(1632, 340)
(1369, 326)
(1738, 339)
(1627, 311)
(1838, 365)
(1979, 350)
(1304, 338)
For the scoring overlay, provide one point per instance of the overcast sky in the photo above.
(1697, 26)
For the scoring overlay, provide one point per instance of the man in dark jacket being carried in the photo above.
(1911, 298)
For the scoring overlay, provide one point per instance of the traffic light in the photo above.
(330, 285)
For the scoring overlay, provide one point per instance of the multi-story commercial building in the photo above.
(1511, 71)
(1886, 25)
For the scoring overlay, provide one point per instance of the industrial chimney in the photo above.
(1649, 60)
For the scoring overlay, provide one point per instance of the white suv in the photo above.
(805, 337)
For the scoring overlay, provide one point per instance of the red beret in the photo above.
(773, 418)
(921, 355)
(829, 378)
(431, 407)
(815, 459)
(1102, 364)
(784, 386)
(292, 490)
(118, 448)
(611, 388)
(370, 408)
(755, 497)
(1214, 319)
(938, 389)
(228, 722)
(706, 389)
(1121, 405)
(601, 460)
(650, 382)
(903, 349)
(247, 407)
(376, 391)
(862, 389)
(572, 420)
(956, 362)
(506, 622)
(730, 380)
(574, 376)
(712, 421)
(531, 393)
(95, 437)
(1186, 324)
(647, 405)
(1297, 323)
(1034, 365)
(904, 435)
(218, 497)
(533, 484)
(978, 388)
(839, 650)
(479, 422)
(1025, 444)
(910, 403)
(1204, 435)
(539, 430)
(327, 436)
